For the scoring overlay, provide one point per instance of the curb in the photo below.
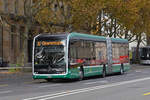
(12, 70)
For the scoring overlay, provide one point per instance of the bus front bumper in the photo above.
(39, 76)
(52, 76)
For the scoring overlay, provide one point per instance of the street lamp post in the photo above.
(1, 28)
(1, 47)
(2, 43)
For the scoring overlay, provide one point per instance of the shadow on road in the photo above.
(77, 80)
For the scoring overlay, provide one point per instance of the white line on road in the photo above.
(56, 95)
(138, 71)
(96, 82)
(35, 98)
(3, 92)
(53, 85)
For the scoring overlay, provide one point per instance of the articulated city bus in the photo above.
(145, 55)
(75, 56)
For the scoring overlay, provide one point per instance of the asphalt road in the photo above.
(133, 85)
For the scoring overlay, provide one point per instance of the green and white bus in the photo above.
(75, 56)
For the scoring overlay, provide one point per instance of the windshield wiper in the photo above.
(59, 59)
(40, 54)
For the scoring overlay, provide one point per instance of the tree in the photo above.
(75, 14)
(52, 14)
(85, 14)
(127, 19)
(142, 25)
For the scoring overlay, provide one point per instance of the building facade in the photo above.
(13, 18)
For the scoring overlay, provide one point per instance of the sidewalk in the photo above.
(138, 66)
(9, 76)
(11, 70)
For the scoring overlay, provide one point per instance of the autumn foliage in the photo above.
(114, 18)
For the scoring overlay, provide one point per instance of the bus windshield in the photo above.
(49, 56)
(145, 54)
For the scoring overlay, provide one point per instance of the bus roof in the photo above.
(81, 36)
(75, 35)
(119, 40)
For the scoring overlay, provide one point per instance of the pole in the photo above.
(2, 44)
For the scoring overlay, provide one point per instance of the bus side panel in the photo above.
(126, 66)
(116, 68)
(88, 71)
(74, 72)
(92, 70)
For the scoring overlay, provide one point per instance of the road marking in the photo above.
(61, 94)
(3, 85)
(35, 98)
(5, 92)
(96, 82)
(147, 93)
(138, 71)
(49, 85)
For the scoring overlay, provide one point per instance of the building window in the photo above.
(55, 7)
(12, 41)
(5, 5)
(1, 42)
(61, 5)
(21, 31)
(34, 1)
(16, 6)
(13, 31)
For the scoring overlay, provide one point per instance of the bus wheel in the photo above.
(81, 74)
(104, 71)
(121, 70)
(48, 79)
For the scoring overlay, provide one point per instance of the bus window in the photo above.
(87, 51)
(100, 51)
(81, 50)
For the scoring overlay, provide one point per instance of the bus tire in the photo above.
(81, 74)
(104, 71)
(121, 69)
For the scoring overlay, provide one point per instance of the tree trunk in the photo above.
(137, 49)
(100, 22)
